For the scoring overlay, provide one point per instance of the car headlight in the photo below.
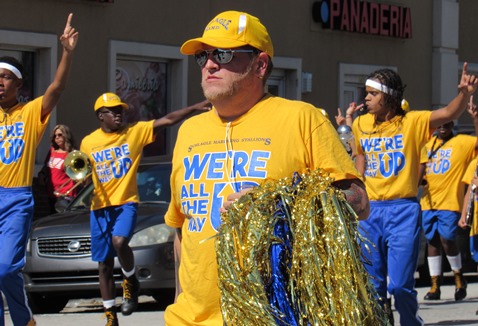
(29, 246)
(157, 234)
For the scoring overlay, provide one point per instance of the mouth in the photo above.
(212, 78)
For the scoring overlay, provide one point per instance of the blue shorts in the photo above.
(445, 222)
(118, 221)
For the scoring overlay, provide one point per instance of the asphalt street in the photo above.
(435, 313)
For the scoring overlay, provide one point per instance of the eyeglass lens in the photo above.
(220, 56)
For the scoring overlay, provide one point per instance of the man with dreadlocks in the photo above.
(391, 140)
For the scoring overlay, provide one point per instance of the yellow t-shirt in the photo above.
(20, 132)
(115, 159)
(213, 159)
(392, 153)
(444, 189)
(470, 172)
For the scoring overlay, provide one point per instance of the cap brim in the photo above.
(194, 45)
(123, 105)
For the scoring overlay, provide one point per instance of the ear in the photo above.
(19, 84)
(262, 63)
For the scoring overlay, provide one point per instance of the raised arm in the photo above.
(178, 115)
(472, 110)
(68, 40)
(455, 108)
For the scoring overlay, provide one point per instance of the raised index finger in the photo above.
(68, 22)
(464, 72)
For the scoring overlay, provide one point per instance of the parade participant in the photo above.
(391, 140)
(114, 151)
(59, 186)
(249, 136)
(469, 214)
(23, 125)
(448, 156)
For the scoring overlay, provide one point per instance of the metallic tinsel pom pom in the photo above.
(318, 277)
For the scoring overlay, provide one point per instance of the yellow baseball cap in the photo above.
(109, 100)
(232, 29)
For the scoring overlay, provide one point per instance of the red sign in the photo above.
(364, 17)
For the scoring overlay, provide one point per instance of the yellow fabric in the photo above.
(444, 172)
(232, 29)
(115, 159)
(467, 177)
(21, 130)
(109, 100)
(274, 139)
(392, 153)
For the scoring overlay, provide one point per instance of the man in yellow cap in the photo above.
(114, 151)
(247, 137)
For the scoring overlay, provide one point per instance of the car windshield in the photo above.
(153, 185)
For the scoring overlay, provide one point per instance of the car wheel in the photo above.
(44, 304)
(164, 297)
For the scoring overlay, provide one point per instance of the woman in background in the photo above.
(58, 183)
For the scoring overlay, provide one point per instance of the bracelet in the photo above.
(348, 116)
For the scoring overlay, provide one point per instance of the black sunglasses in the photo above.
(220, 56)
(114, 110)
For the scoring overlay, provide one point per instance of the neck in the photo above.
(230, 110)
(448, 137)
(6, 106)
(379, 118)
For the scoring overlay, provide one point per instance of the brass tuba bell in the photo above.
(77, 165)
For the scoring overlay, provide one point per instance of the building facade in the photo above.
(324, 49)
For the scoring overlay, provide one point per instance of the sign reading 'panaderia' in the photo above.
(364, 17)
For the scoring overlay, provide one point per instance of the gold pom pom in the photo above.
(327, 282)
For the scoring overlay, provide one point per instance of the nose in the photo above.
(210, 63)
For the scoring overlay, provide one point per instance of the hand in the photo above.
(471, 108)
(69, 38)
(339, 118)
(468, 83)
(353, 107)
(462, 223)
(233, 197)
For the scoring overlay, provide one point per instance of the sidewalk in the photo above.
(445, 312)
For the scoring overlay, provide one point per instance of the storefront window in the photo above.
(143, 86)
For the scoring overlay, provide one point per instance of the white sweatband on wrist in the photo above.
(8, 66)
(378, 86)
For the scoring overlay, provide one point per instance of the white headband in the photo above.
(379, 86)
(8, 66)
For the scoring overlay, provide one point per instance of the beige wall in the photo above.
(290, 24)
